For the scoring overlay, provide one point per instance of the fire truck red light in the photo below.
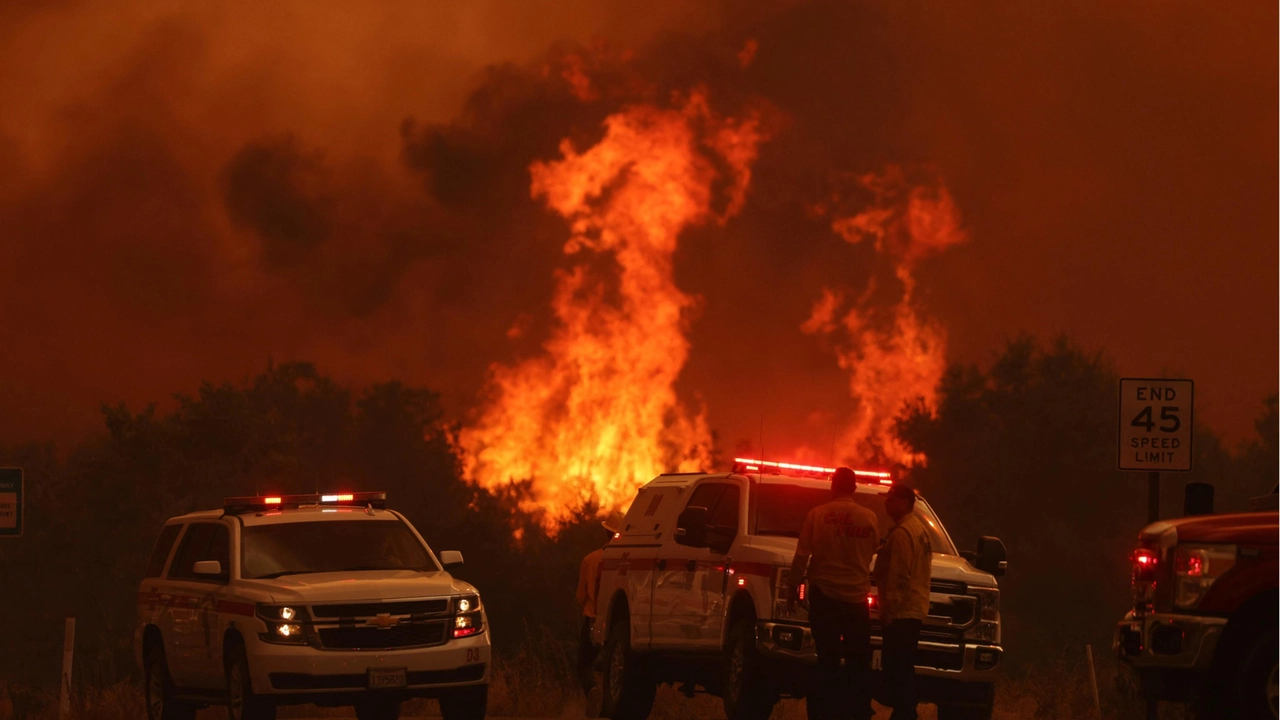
(271, 501)
(742, 582)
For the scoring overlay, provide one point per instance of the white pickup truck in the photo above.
(325, 599)
(691, 592)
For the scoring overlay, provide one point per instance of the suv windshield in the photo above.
(317, 547)
(780, 510)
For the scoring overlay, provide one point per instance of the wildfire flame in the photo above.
(596, 415)
(894, 356)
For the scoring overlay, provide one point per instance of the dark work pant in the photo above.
(841, 631)
(586, 656)
(899, 661)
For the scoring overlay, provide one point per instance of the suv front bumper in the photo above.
(965, 662)
(289, 674)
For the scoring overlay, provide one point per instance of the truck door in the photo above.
(689, 581)
(629, 558)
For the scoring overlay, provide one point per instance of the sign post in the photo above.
(1156, 420)
(10, 502)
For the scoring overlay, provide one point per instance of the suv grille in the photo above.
(372, 638)
(353, 610)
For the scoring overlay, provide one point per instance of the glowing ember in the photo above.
(893, 357)
(597, 415)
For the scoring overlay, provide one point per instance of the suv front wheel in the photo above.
(628, 688)
(159, 689)
(242, 704)
(468, 703)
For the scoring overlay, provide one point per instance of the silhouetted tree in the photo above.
(1026, 450)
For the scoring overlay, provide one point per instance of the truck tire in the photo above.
(747, 695)
(1255, 692)
(242, 703)
(964, 712)
(469, 703)
(628, 687)
(158, 689)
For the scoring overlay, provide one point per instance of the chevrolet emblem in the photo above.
(382, 621)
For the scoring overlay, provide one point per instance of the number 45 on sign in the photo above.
(1156, 419)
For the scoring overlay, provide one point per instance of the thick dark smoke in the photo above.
(274, 189)
(187, 193)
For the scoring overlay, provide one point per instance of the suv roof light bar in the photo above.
(747, 465)
(277, 502)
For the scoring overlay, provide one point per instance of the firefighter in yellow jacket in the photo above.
(588, 588)
(902, 574)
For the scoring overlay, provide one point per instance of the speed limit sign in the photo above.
(1156, 419)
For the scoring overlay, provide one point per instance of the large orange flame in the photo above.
(596, 415)
(894, 356)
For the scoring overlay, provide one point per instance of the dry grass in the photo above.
(536, 682)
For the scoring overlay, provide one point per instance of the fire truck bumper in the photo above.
(1169, 654)
(1176, 642)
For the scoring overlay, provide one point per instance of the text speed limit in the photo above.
(1155, 424)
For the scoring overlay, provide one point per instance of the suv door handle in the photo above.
(661, 564)
(691, 566)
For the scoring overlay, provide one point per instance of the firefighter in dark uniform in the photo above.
(837, 541)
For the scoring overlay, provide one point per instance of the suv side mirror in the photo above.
(991, 556)
(451, 559)
(207, 567)
(691, 527)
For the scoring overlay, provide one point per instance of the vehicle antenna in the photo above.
(760, 472)
(835, 429)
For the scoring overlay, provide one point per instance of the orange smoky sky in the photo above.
(191, 190)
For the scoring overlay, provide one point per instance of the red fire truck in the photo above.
(1203, 627)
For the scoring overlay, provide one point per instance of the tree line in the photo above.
(1023, 449)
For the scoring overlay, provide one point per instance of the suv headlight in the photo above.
(1195, 568)
(286, 624)
(467, 618)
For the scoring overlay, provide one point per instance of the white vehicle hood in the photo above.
(369, 586)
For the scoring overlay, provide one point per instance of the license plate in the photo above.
(382, 678)
(876, 662)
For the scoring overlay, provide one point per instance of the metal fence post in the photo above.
(68, 650)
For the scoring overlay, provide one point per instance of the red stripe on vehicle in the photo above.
(231, 607)
(753, 568)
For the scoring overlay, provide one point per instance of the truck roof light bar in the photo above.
(748, 465)
(258, 503)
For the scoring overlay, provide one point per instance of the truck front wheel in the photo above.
(1256, 692)
(628, 687)
(747, 695)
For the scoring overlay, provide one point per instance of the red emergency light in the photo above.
(277, 502)
(746, 465)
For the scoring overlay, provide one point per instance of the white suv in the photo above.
(325, 599)
(692, 592)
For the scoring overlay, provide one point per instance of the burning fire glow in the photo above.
(596, 415)
(894, 356)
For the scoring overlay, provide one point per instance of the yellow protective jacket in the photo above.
(903, 570)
